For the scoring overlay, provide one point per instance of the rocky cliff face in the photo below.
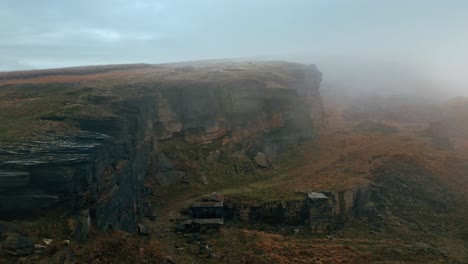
(248, 115)
(97, 174)
(96, 177)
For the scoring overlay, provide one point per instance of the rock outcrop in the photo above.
(247, 113)
(92, 172)
(96, 172)
(324, 211)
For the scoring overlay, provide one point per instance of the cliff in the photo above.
(85, 143)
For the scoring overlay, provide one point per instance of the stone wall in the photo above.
(321, 215)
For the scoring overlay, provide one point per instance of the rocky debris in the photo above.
(18, 245)
(47, 241)
(179, 248)
(204, 180)
(205, 250)
(143, 230)
(39, 249)
(167, 175)
(262, 160)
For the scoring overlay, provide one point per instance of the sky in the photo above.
(429, 37)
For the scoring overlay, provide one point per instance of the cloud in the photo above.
(56, 32)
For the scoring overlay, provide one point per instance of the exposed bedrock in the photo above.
(246, 114)
(98, 174)
(331, 208)
(92, 172)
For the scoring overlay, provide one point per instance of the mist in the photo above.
(409, 48)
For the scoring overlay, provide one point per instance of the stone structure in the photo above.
(324, 211)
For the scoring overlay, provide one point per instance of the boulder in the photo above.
(18, 245)
(262, 160)
(143, 230)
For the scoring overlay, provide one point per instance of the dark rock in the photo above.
(28, 201)
(13, 179)
(18, 245)
(262, 160)
(143, 230)
(116, 126)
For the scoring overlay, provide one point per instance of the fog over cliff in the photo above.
(364, 45)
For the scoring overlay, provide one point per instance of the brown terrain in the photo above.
(412, 172)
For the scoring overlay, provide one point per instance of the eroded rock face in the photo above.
(98, 174)
(246, 114)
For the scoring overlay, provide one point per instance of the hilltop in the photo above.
(96, 155)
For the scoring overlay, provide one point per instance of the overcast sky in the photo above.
(37, 34)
